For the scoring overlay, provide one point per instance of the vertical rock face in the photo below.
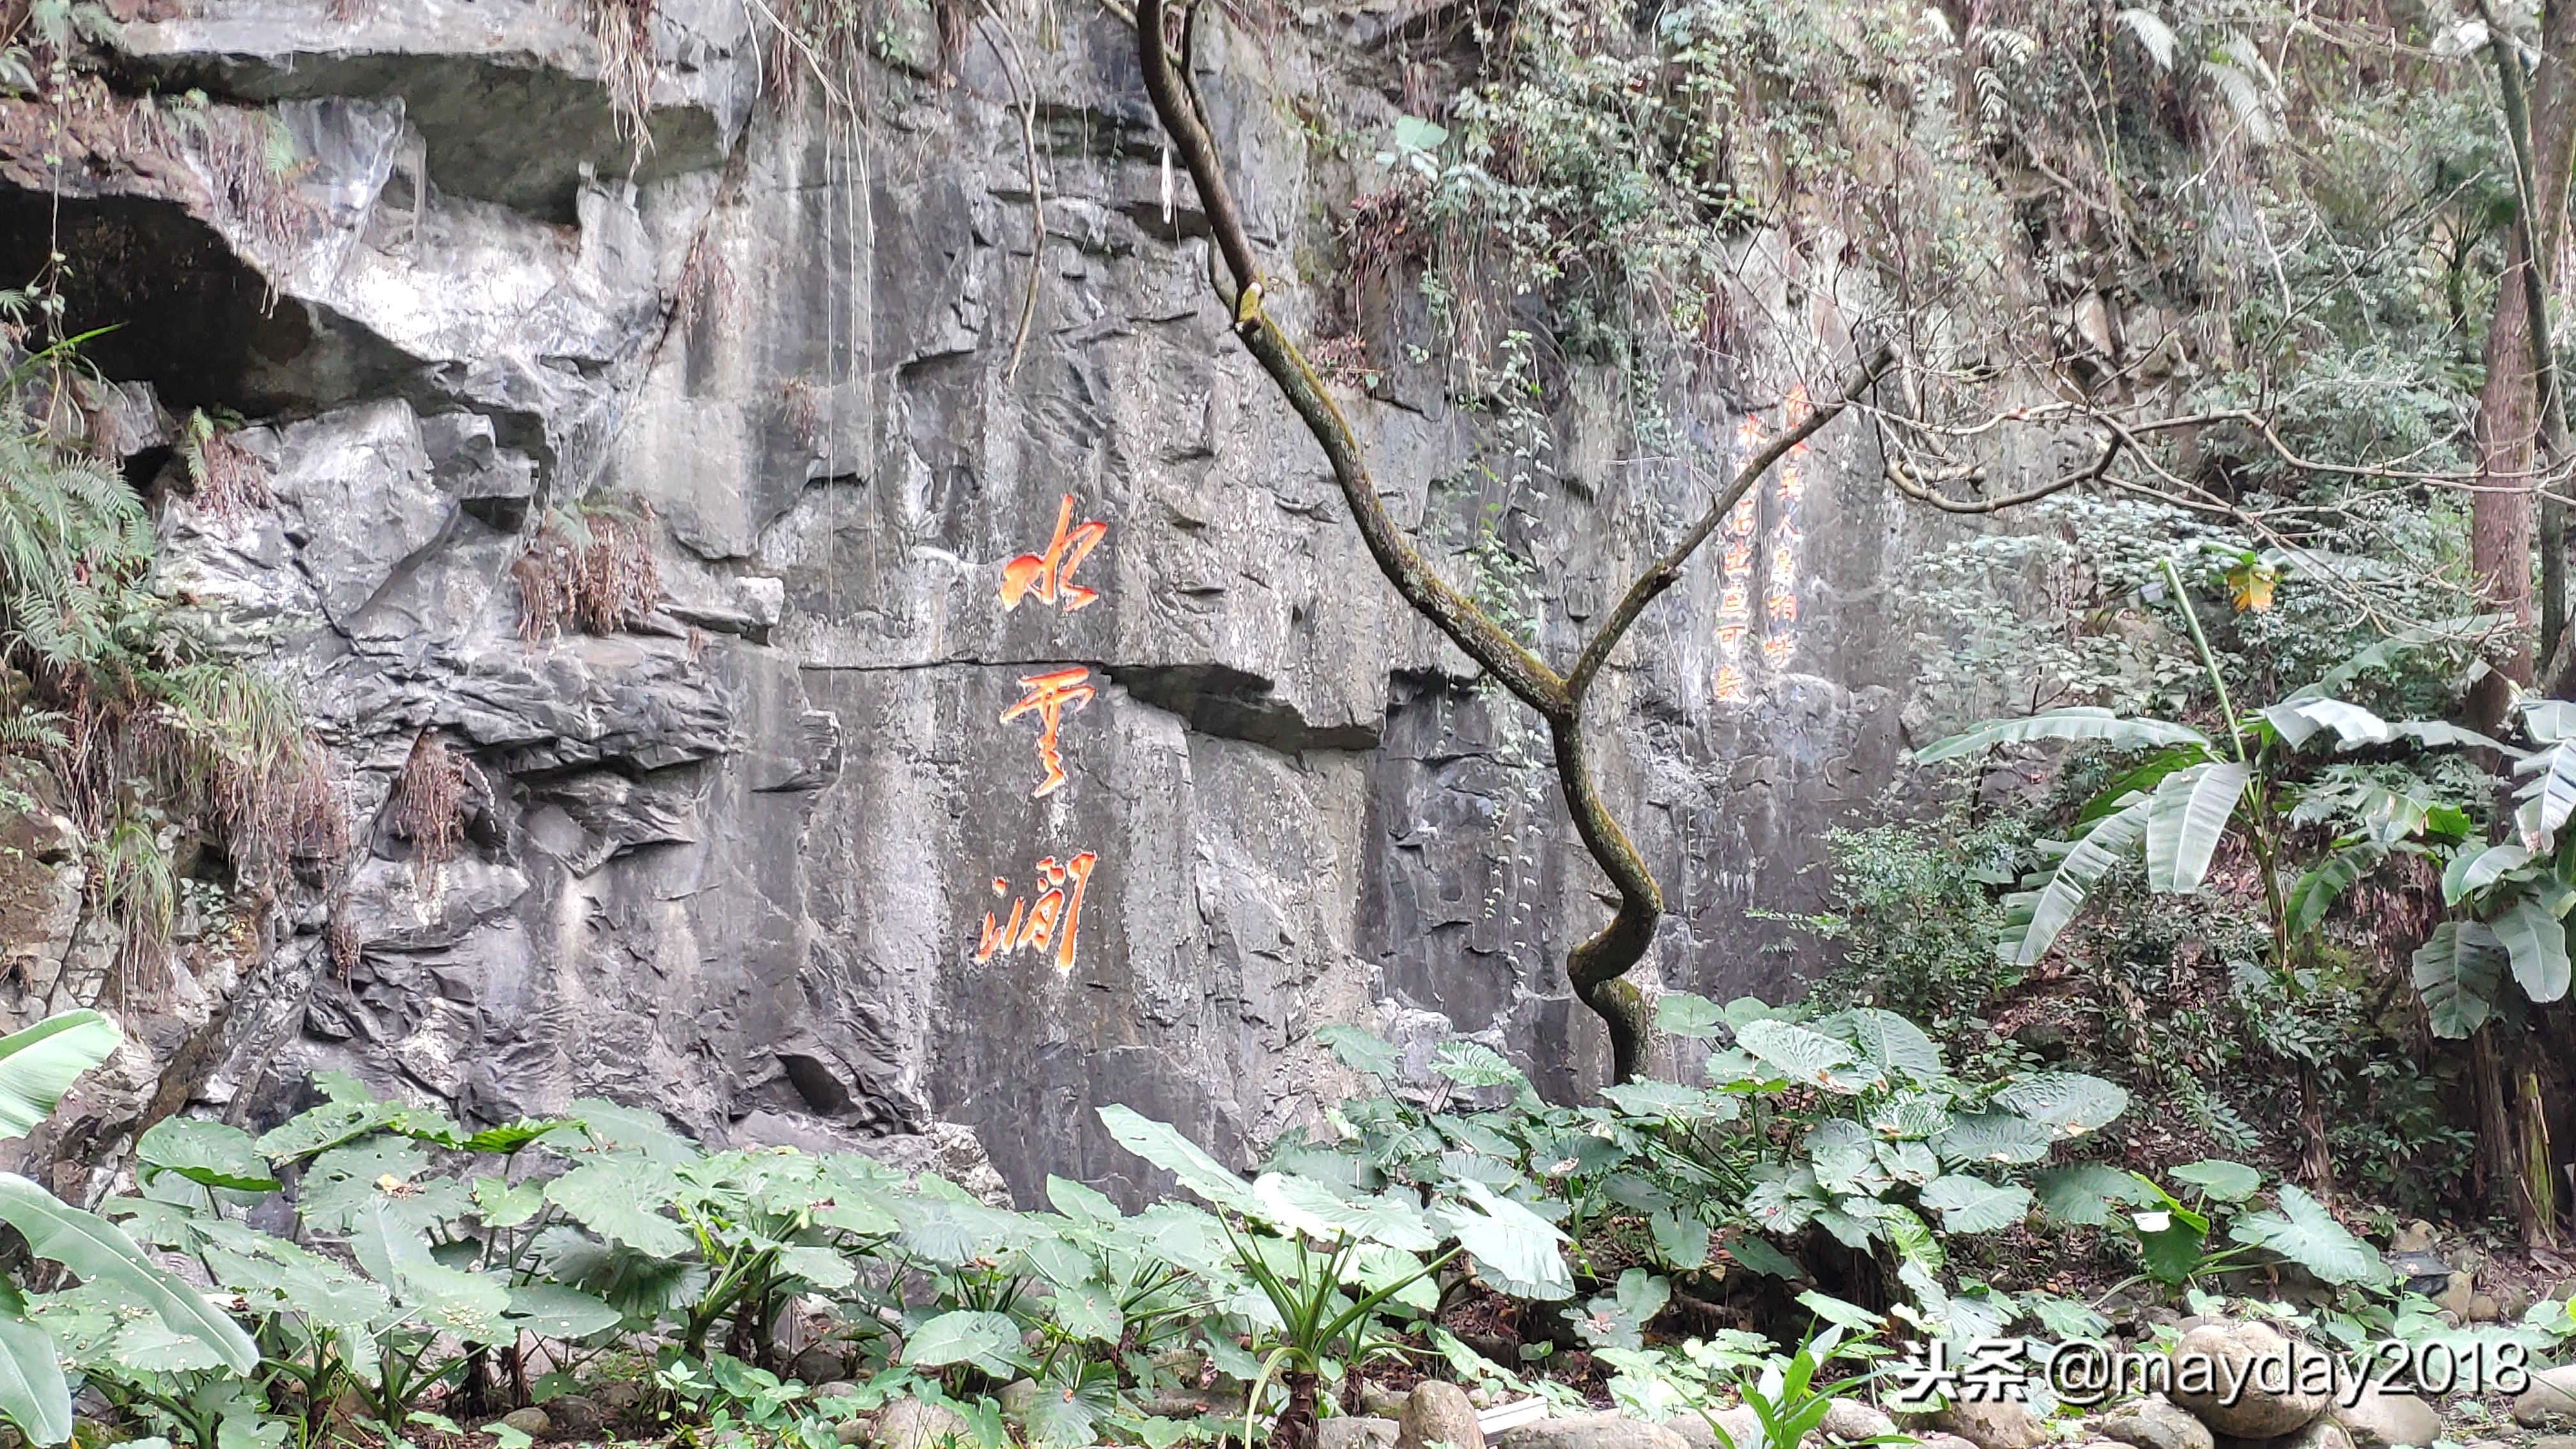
(960, 624)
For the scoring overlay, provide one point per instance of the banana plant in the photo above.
(37, 1066)
(2170, 810)
(2512, 898)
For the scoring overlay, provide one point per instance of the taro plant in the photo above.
(1314, 1264)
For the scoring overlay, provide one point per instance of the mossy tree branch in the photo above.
(1599, 965)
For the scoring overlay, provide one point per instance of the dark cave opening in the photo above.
(183, 312)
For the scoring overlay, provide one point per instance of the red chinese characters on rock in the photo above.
(1777, 630)
(1049, 575)
(1054, 917)
(1050, 697)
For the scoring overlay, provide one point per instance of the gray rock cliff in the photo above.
(738, 860)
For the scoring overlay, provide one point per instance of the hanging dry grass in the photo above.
(229, 481)
(429, 800)
(592, 569)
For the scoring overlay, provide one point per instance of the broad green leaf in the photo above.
(2035, 918)
(2549, 721)
(1908, 1115)
(2219, 1178)
(988, 1341)
(2084, 1194)
(1889, 1042)
(2306, 1234)
(2170, 1237)
(2071, 1102)
(1310, 1207)
(2472, 871)
(1679, 1013)
(2299, 720)
(1668, 1102)
(1079, 1202)
(2553, 793)
(1515, 1250)
(39, 1064)
(1995, 1137)
(510, 1137)
(1088, 1309)
(2323, 883)
(1970, 1204)
(1163, 1146)
(551, 1310)
(2079, 723)
(1362, 1051)
(629, 1129)
(348, 1113)
(1809, 1058)
(1680, 1241)
(1839, 1313)
(97, 1250)
(1060, 1417)
(343, 1180)
(2535, 941)
(1757, 1255)
(2064, 1318)
(33, 1394)
(210, 1154)
(1473, 1064)
(2457, 971)
(506, 1205)
(621, 1198)
(2186, 818)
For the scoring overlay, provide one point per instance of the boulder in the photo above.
(1847, 1420)
(2459, 1293)
(1438, 1412)
(1346, 1431)
(1991, 1424)
(852, 1431)
(2247, 1380)
(907, 1423)
(2550, 1401)
(1743, 1430)
(2554, 1441)
(1016, 1396)
(2154, 1423)
(576, 1414)
(2377, 1419)
(1588, 1431)
(819, 1365)
(1379, 1401)
(532, 1422)
(2321, 1433)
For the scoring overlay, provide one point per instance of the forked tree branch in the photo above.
(1598, 966)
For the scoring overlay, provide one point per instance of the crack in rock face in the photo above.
(1012, 726)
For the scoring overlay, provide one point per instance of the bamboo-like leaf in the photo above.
(2039, 916)
(2535, 941)
(2080, 723)
(96, 1249)
(2186, 818)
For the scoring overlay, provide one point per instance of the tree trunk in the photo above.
(2510, 410)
